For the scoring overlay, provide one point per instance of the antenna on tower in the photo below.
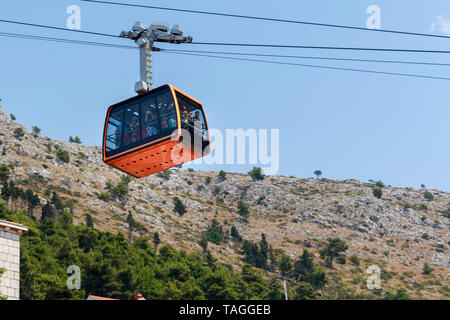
(145, 38)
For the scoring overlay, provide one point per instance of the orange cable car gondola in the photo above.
(154, 131)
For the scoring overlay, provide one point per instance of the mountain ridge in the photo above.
(294, 213)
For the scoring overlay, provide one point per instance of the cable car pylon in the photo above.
(160, 128)
(145, 39)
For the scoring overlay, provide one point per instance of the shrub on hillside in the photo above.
(63, 155)
(256, 173)
(377, 192)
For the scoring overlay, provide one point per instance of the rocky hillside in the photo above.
(399, 232)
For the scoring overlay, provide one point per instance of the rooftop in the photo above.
(14, 227)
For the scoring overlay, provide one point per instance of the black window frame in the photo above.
(199, 106)
(143, 141)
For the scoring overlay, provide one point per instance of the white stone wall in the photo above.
(10, 263)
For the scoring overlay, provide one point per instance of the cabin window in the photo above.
(193, 119)
(132, 133)
(114, 130)
(167, 113)
(151, 127)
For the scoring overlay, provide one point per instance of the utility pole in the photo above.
(144, 39)
(285, 289)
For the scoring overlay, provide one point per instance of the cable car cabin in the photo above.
(152, 132)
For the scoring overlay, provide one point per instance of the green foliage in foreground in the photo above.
(112, 267)
(1, 272)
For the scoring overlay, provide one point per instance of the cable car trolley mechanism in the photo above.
(159, 128)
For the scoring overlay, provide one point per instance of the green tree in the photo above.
(156, 240)
(6, 192)
(263, 252)
(141, 229)
(76, 140)
(250, 251)
(104, 196)
(273, 262)
(305, 291)
(427, 269)
(317, 173)
(131, 226)
(15, 193)
(48, 212)
(332, 249)
(19, 132)
(65, 219)
(36, 130)
(377, 192)
(276, 291)
(126, 179)
(89, 221)
(120, 190)
(179, 206)
(209, 259)
(222, 176)
(355, 260)
(256, 173)
(379, 184)
(286, 265)
(13, 117)
(235, 236)
(214, 232)
(4, 172)
(304, 267)
(57, 202)
(428, 195)
(32, 200)
(204, 245)
(401, 294)
(243, 210)
(63, 155)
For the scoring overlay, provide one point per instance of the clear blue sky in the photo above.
(349, 125)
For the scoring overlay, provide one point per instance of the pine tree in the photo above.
(332, 250)
(318, 173)
(131, 226)
(6, 192)
(141, 229)
(48, 212)
(32, 200)
(4, 172)
(305, 291)
(36, 130)
(156, 240)
(204, 245)
(209, 259)
(286, 265)
(263, 252)
(243, 209)
(89, 221)
(304, 267)
(179, 206)
(273, 260)
(235, 236)
(222, 176)
(427, 269)
(257, 174)
(15, 194)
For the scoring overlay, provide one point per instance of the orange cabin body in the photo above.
(155, 131)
